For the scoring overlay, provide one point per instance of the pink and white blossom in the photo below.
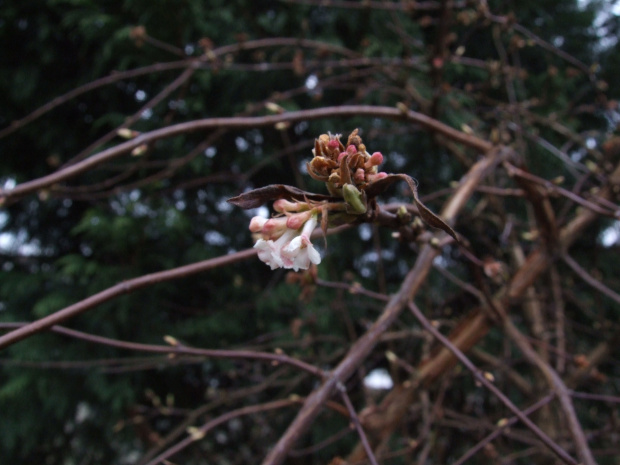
(292, 249)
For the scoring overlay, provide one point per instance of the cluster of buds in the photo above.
(354, 182)
(338, 166)
(284, 241)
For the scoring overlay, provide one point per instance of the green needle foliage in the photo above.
(536, 77)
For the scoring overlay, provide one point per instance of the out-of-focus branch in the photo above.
(119, 289)
(159, 67)
(583, 274)
(364, 345)
(161, 96)
(552, 188)
(595, 357)
(560, 389)
(237, 123)
(406, 5)
(505, 20)
(561, 453)
(505, 424)
(177, 348)
(476, 325)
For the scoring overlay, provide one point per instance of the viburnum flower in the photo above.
(285, 241)
(352, 177)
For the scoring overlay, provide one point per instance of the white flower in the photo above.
(292, 250)
(301, 251)
(265, 253)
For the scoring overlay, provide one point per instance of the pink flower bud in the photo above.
(352, 149)
(376, 177)
(360, 175)
(257, 223)
(376, 159)
(274, 227)
(283, 205)
(333, 144)
(297, 220)
(341, 156)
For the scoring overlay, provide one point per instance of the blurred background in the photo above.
(538, 76)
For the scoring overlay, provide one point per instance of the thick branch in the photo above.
(364, 345)
(475, 327)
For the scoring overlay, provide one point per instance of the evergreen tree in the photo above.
(97, 93)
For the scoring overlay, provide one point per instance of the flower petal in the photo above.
(314, 255)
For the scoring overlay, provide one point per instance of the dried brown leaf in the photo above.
(257, 197)
(378, 187)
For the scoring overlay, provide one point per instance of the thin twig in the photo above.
(555, 382)
(159, 67)
(561, 453)
(356, 422)
(500, 429)
(198, 433)
(177, 349)
(583, 274)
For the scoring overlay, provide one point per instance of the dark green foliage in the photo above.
(64, 400)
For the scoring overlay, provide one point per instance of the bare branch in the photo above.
(561, 453)
(237, 123)
(119, 289)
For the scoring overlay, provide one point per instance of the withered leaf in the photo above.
(378, 187)
(257, 197)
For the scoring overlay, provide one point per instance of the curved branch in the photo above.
(364, 345)
(561, 453)
(119, 289)
(179, 349)
(244, 122)
(116, 76)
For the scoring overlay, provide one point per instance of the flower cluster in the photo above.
(285, 241)
(337, 166)
(354, 181)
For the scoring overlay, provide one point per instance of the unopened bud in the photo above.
(376, 177)
(334, 178)
(297, 220)
(171, 340)
(354, 198)
(283, 205)
(195, 433)
(126, 133)
(139, 150)
(274, 107)
(352, 149)
(376, 159)
(282, 125)
(402, 107)
(274, 227)
(360, 175)
(257, 223)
